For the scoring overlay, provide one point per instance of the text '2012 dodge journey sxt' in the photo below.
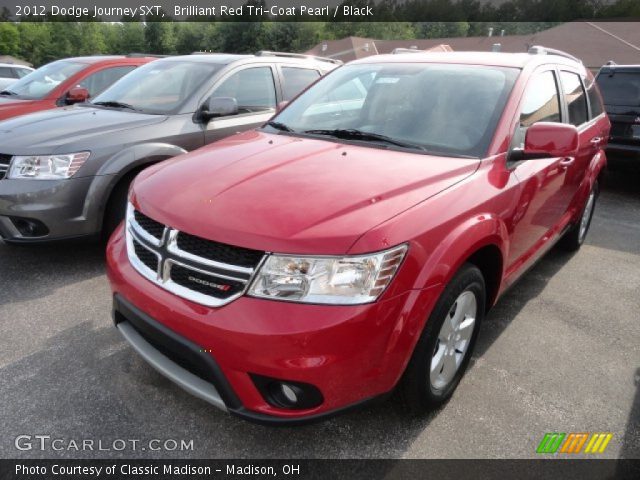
(65, 172)
(354, 243)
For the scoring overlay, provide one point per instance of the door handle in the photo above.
(566, 162)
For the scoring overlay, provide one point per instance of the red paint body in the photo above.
(286, 194)
(11, 107)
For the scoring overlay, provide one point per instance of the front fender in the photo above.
(138, 155)
(461, 242)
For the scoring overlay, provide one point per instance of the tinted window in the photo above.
(438, 108)
(541, 101)
(575, 98)
(620, 88)
(297, 79)
(6, 72)
(98, 82)
(161, 86)
(40, 83)
(253, 89)
(594, 99)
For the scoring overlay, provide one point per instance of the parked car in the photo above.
(11, 72)
(292, 272)
(66, 172)
(65, 82)
(620, 86)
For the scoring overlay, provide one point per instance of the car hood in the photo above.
(289, 194)
(11, 107)
(48, 131)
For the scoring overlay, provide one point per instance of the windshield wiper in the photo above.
(7, 92)
(116, 104)
(354, 134)
(280, 126)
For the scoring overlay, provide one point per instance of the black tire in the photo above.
(572, 239)
(116, 206)
(416, 389)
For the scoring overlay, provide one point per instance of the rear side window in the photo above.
(297, 79)
(6, 72)
(594, 99)
(575, 97)
(541, 100)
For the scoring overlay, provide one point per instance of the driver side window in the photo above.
(541, 103)
(253, 89)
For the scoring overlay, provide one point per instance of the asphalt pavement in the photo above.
(559, 353)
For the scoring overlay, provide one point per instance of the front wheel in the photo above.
(576, 235)
(444, 349)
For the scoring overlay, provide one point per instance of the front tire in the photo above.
(444, 349)
(574, 238)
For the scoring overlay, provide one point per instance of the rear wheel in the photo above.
(576, 235)
(443, 351)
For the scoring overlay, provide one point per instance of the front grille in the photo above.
(200, 270)
(148, 258)
(205, 283)
(219, 252)
(153, 228)
(4, 165)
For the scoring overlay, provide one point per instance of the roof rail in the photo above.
(268, 53)
(141, 55)
(398, 50)
(540, 50)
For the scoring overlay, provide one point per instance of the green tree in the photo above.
(159, 34)
(9, 39)
(131, 37)
(35, 39)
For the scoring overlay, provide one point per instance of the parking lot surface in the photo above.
(559, 353)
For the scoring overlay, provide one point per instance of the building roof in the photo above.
(14, 60)
(594, 43)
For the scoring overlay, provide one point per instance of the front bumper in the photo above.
(352, 354)
(66, 208)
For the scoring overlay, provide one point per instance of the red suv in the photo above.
(354, 243)
(65, 82)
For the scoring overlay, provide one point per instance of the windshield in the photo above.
(39, 83)
(158, 87)
(620, 88)
(436, 108)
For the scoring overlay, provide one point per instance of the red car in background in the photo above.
(353, 244)
(65, 82)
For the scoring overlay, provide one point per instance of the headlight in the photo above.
(47, 167)
(335, 280)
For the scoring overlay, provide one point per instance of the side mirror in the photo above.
(220, 107)
(281, 106)
(547, 139)
(77, 95)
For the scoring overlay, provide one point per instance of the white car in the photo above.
(10, 73)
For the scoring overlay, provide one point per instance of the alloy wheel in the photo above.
(453, 340)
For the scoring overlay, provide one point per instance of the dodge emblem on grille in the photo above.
(224, 288)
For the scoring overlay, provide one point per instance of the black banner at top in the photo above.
(319, 10)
